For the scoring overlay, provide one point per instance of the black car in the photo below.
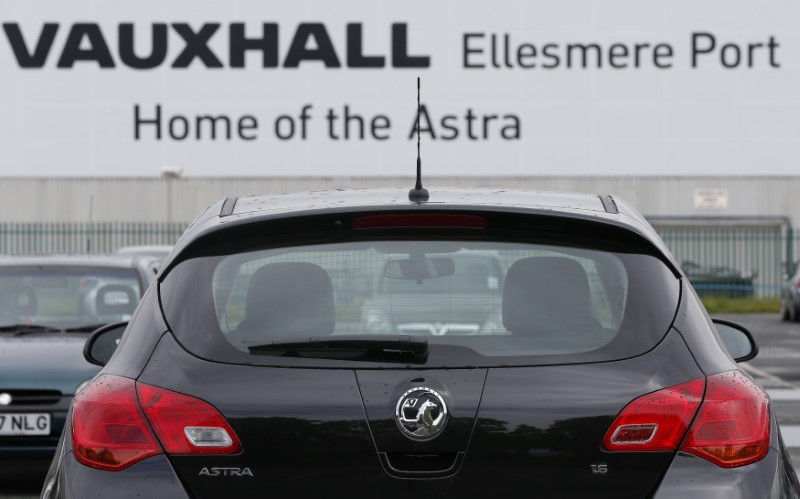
(48, 307)
(249, 372)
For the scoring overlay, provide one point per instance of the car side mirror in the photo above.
(737, 339)
(103, 342)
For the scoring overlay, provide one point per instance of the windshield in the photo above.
(487, 302)
(66, 297)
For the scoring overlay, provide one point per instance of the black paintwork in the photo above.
(576, 213)
(151, 478)
(533, 431)
(539, 428)
(299, 428)
(701, 336)
(144, 330)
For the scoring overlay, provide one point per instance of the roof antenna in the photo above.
(418, 194)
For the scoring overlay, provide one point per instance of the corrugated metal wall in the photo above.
(182, 199)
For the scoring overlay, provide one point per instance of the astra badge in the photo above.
(225, 472)
(421, 413)
(5, 398)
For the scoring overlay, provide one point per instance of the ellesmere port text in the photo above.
(502, 51)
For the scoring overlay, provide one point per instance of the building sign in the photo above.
(551, 87)
(711, 199)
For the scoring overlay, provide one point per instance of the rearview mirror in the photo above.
(419, 268)
(103, 342)
(737, 339)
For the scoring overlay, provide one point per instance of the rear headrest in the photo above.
(547, 293)
(20, 300)
(289, 300)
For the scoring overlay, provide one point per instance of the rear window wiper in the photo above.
(363, 347)
(22, 329)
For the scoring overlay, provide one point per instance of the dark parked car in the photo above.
(790, 297)
(719, 281)
(48, 307)
(245, 374)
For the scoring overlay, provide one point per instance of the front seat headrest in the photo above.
(115, 299)
(547, 294)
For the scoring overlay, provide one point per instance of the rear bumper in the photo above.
(152, 478)
(690, 476)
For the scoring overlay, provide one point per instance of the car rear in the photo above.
(267, 375)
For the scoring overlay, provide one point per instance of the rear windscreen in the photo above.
(476, 302)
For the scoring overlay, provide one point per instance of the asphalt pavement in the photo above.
(777, 369)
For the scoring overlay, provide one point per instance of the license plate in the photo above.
(24, 424)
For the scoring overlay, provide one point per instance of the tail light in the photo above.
(727, 418)
(732, 426)
(186, 425)
(109, 431)
(117, 422)
(656, 421)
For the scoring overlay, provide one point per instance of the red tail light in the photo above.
(111, 424)
(656, 421)
(109, 431)
(731, 427)
(186, 425)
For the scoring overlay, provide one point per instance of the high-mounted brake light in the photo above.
(656, 421)
(113, 416)
(731, 427)
(419, 220)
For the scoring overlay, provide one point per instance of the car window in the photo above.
(499, 300)
(557, 300)
(67, 296)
